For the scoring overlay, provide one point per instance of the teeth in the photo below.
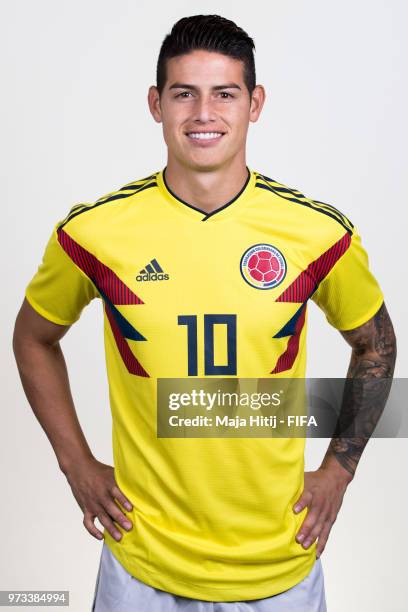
(204, 135)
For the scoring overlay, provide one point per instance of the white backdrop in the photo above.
(75, 125)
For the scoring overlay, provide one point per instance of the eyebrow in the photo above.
(195, 88)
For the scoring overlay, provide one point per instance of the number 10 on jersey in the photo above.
(210, 320)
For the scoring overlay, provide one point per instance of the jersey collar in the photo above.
(240, 200)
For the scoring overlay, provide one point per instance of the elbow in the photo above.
(393, 351)
(16, 340)
(386, 345)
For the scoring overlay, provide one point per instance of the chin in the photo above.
(206, 165)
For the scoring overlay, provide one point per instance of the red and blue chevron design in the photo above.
(299, 291)
(114, 292)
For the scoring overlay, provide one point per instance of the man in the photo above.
(204, 269)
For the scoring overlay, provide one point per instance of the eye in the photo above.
(225, 95)
(183, 94)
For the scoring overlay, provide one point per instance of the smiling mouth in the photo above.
(205, 135)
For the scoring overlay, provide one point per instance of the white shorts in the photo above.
(117, 591)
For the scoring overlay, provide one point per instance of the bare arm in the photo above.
(372, 364)
(374, 351)
(44, 376)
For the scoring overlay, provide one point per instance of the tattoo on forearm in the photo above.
(367, 387)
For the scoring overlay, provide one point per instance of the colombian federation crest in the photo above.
(263, 266)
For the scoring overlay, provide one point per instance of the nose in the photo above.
(203, 109)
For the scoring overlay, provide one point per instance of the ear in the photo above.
(153, 99)
(257, 102)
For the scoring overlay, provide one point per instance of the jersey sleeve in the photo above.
(59, 290)
(350, 294)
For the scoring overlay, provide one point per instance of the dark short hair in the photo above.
(210, 33)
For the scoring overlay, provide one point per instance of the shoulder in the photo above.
(299, 204)
(122, 194)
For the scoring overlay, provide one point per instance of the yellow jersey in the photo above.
(192, 294)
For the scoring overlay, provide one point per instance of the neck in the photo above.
(206, 190)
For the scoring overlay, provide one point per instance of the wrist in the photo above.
(331, 464)
(74, 462)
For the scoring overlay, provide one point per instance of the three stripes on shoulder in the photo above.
(296, 196)
(124, 192)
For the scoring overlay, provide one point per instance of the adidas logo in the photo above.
(152, 272)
